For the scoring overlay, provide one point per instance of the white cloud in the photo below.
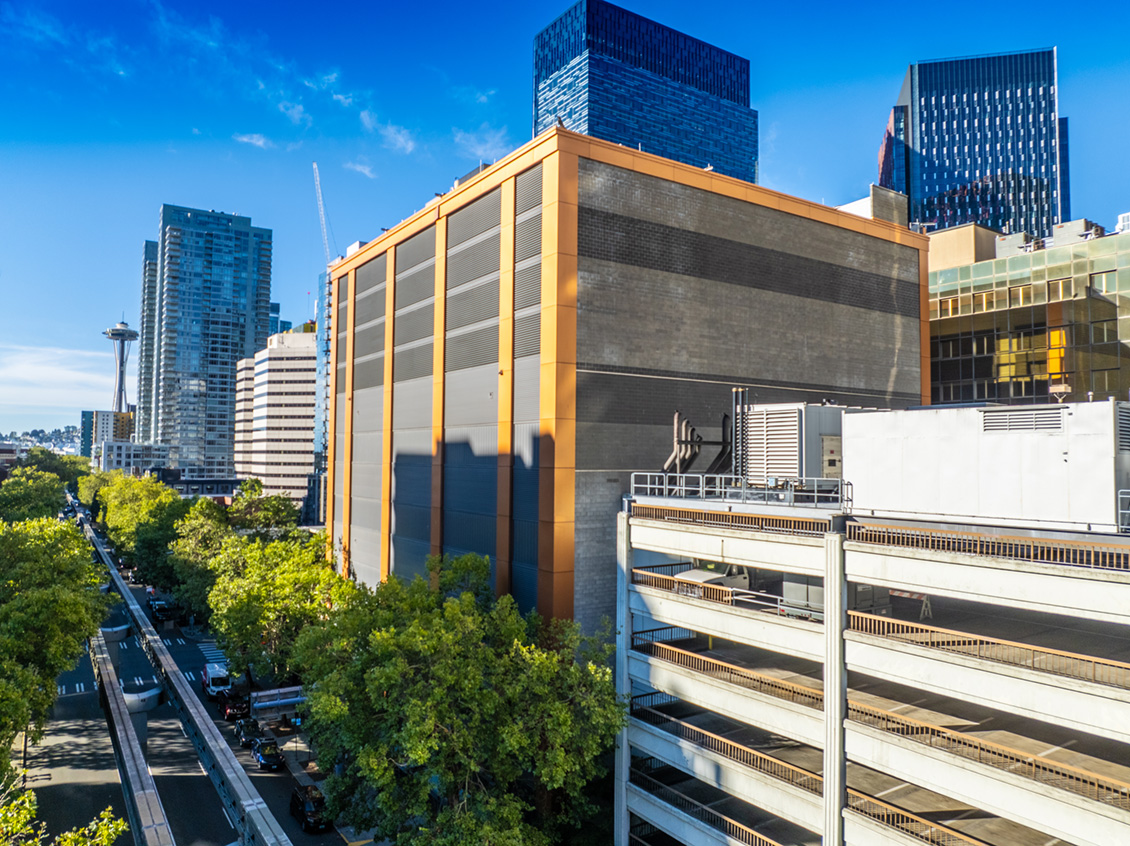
(48, 381)
(368, 120)
(485, 143)
(362, 168)
(69, 45)
(398, 138)
(195, 131)
(345, 99)
(296, 112)
(254, 139)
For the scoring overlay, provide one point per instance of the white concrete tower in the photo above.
(121, 335)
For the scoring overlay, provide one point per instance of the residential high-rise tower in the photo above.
(980, 140)
(204, 306)
(606, 72)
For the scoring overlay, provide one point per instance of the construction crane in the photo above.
(321, 213)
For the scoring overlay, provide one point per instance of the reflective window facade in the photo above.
(1048, 323)
(209, 307)
(607, 72)
(980, 140)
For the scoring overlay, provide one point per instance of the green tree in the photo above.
(28, 493)
(49, 604)
(266, 593)
(19, 826)
(69, 468)
(200, 537)
(140, 514)
(89, 486)
(449, 718)
(263, 516)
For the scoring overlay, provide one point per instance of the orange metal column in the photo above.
(331, 434)
(504, 509)
(440, 313)
(386, 423)
(557, 464)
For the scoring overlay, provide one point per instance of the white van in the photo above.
(215, 679)
(714, 573)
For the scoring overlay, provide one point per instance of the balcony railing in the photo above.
(1065, 552)
(808, 491)
(904, 821)
(749, 599)
(802, 526)
(1109, 791)
(1068, 664)
(1082, 782)
(692, 808)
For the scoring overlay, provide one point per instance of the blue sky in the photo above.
(109, 109)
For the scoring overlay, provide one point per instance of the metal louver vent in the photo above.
(1123, 429)
(1023, 420)
(772, 439)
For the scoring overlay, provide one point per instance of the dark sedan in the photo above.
(247, 731)
(265, 752)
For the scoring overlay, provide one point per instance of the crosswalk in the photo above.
(212, 653)
(79, 687)
(168, 641)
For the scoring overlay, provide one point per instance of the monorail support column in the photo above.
(835, 689)
(623, 682)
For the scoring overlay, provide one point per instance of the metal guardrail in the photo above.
(700, 812)
(812, 527)
(1052, 661)
(811, 492)
(906, 822)
(1064, 552)
(1044, 770)
(724, 595)
(649, 644)
(245, 807)
(147, 820)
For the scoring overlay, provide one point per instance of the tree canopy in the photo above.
(49, 604)
(69, 468)
(263, 516)
(449, 718)
(266, 593)
(89, 486)
(140, 514)
(28, 493)
(19, 826)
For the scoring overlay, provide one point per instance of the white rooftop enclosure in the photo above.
(1046, 466)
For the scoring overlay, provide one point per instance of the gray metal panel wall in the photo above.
(415, 324)
(370, 306)
(412, 363)
(416, 285)
(526, 441)
(365, 515)
(411, 475)
(416, 250)
(478, 258)
(528, 189)
(474, 218)
(369, 372)
(371, 273)
(472, 304)
(470, 461)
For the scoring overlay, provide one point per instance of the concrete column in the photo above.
(835, 689)
(623, 681)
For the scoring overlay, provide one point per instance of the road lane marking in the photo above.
(166, 641)
(891, 790)
(81, 687)
(62, 690)
(191, 676)
(180, 641)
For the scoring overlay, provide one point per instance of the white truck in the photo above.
(214, 679)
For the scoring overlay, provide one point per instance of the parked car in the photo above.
(265, 752)
(308, 806)
(247, 731)
(233, 705)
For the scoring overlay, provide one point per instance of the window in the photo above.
(948, 307)
(1021, 295)
(1104, 283)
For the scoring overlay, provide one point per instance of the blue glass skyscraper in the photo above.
(607, 72)
(980, 140)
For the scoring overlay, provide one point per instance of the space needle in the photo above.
(121, 335)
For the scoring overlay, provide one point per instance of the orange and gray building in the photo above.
(505, 358)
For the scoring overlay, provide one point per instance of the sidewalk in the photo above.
(300, 762)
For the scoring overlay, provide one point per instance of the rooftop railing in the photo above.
(1047, 550)
(808, 491)
(1041, 659)
(800, 526)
